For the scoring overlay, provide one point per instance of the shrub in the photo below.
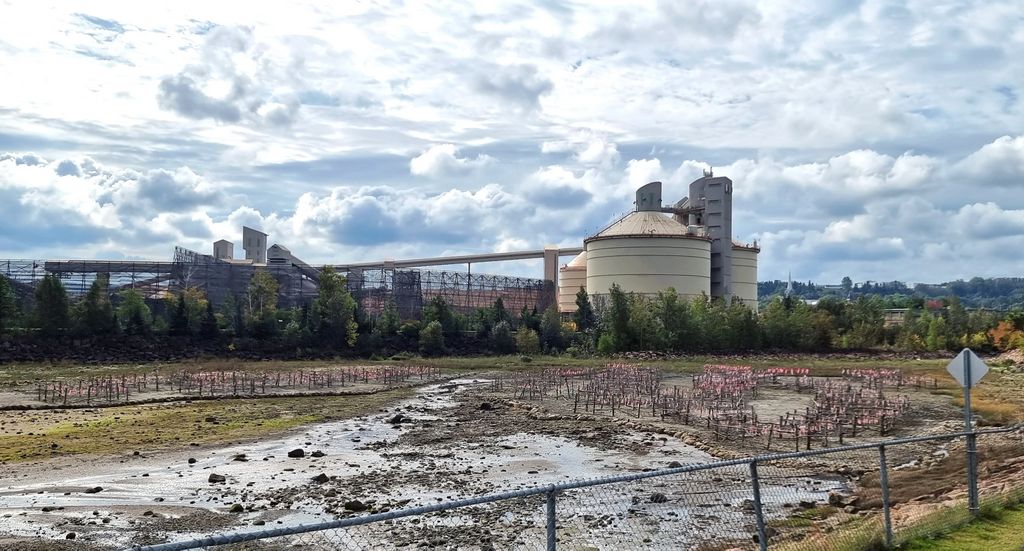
(432, 339)
(605, 345)
(527, 341)
(502, 340)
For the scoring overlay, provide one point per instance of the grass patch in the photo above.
(177, 425)
(998, 529)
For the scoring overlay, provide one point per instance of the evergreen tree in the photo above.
(94, 315)
(388, 323)
(618, 327)
(208, 329)
(51, 306)
(499, 313)
(936, 339)
(528, 319)
(179, 318)
(333, 313)
(551, 337)
(673, 319)
(584, 315)
(8, 308)
(438, 310)
(134, 313)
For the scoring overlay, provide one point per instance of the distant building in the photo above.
(223, 250)
(254, 243)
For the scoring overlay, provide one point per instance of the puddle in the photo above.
(169, 484)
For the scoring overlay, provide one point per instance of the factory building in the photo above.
(687, 247)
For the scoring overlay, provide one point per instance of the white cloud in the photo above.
(443, 160)
(851, 130)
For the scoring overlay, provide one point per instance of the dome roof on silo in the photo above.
(577, 263)
(644, 224)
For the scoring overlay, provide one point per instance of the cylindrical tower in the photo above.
(647, 252)
(744, 274)
(571, 277)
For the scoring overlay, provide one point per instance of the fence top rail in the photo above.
(553, 488)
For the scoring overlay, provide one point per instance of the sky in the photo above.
(877, 140)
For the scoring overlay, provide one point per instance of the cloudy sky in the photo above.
(881, 140)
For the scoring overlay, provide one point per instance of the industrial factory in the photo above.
(686, 245)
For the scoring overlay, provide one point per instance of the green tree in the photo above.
(438, 310)
(334, 311)
(527, 341)
(51, 306)
(957, 321)
(388, 322)
(584, 316)
(178, 325)
(644, 329)
(94, 315)
(134, 313)
(867, 322)
(261, 304)
(529, 319)
(674, 321)
(432, 339)
(501, 338)
(847, 284)
(937, 331)
(618, 328)
(745, 325)
(209, 329)
(8, 307)
(499, 313)
(551, 337)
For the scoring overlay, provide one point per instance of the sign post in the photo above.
(967, 368)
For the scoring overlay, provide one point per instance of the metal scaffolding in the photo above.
(298, 282)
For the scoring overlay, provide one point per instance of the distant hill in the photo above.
(1001, 293)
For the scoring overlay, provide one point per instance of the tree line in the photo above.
(619, 322)
(1001, 293)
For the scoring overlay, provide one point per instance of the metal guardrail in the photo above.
(551, 493)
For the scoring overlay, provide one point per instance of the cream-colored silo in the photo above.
(571, 277)
(647, 252)
(744, 274)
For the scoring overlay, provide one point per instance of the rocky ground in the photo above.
(456, 440)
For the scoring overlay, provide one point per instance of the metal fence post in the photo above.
(972, 474)
(762, 539)
(551, 519)
(883, 475)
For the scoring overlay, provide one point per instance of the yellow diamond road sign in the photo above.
(958, 368)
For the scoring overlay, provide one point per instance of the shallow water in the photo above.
(167, 483)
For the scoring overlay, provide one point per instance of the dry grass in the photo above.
(167, 426)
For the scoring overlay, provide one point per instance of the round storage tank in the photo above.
(647, 252)
(744, 274)
(571, 277)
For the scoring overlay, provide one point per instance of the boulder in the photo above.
(355, 506)
(658, 497)
(321, 478)
(217, 478)
(296, 453)
(94, 490)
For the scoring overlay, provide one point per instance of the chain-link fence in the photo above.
(861, 497)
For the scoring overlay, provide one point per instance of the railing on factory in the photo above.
(751, 503)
